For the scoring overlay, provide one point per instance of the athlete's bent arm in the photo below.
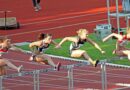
(118, 36)
(53, 42)
(15, 48)
(72, 39)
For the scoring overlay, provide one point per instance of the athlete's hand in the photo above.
(58, 46)
(103, 52)
(103, 40)
(114, 51)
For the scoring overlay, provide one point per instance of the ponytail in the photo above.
(43, 36)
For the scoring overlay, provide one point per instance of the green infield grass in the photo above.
(108, 47)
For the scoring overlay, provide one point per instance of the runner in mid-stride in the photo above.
(121, 43)
(5, 46)
(38, 47)
(77, 42)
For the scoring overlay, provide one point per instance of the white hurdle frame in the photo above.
(36, 80)
(1, 83)
(70, 78)
(36, 73)
(104, 72)
(103, 75)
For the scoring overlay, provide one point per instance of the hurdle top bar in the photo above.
(81, 63)
(23, 73)
(105, 61)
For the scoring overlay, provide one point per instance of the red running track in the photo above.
(61, 18)
(85, 77)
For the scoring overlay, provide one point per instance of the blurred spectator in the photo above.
(36, 4)
(126, 6)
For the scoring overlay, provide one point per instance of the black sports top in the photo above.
(42, 48)
(75, 46)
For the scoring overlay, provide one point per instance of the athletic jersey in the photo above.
(123, 41)
(75, 46)
(43, 47)
(3, 50)
(40, 49)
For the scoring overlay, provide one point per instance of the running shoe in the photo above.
(36, 9)
(58, 66)
(20, 68)
(96, 63)
(38, 6)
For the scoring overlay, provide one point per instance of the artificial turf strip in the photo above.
(108, 47)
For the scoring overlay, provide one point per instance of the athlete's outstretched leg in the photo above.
(11, 65)
(44, 59)
(87, 57)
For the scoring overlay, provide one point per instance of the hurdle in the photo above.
(79, 63)
(36, 73)
(103, 64)
(104, 74)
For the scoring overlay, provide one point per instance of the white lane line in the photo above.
(63, 18)
(57, 27)
(123, 84)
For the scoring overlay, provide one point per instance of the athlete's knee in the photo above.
(2, 70)
(6, 61)
(129, 56)
(84, 53)
(47, 57)
(3, 61)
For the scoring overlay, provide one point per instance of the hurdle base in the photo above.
(9, 23)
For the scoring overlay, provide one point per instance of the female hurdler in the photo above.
(38, 47)
(77, 42)
(5, 46)
(121, 43)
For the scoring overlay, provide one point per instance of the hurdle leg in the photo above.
(70, 78)
(36, 80)
(1, 83)
(103, 76)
